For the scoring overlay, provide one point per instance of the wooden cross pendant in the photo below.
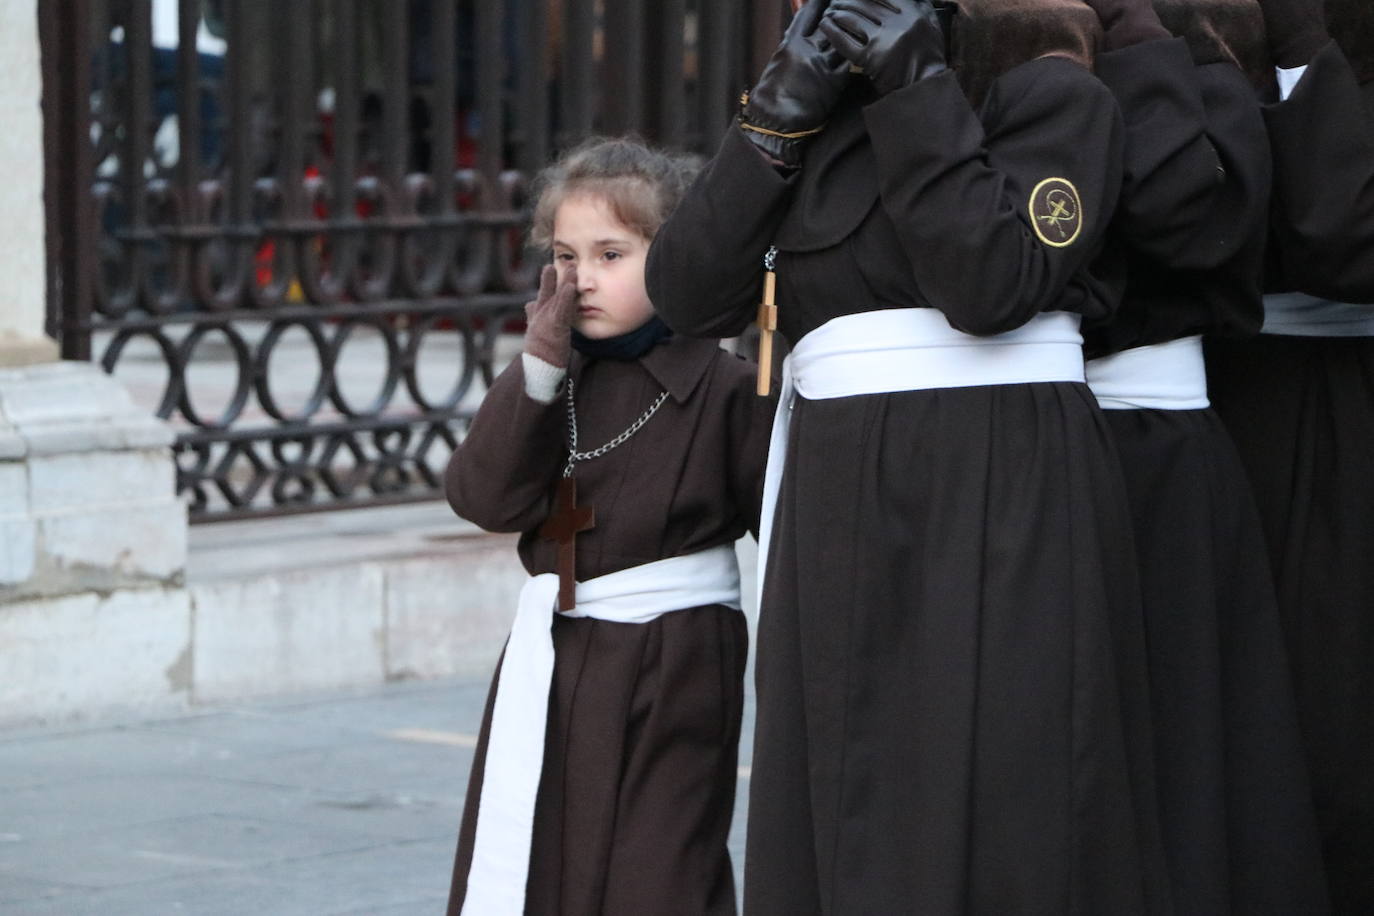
(768, 323)
(562, 527)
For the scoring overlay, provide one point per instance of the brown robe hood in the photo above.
(993, 36)
(1230, 31)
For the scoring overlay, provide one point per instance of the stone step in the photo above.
(347, 599)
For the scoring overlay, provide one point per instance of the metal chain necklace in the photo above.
(575, 456)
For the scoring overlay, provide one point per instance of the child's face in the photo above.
(609, 258)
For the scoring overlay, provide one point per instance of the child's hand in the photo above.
(548, 319)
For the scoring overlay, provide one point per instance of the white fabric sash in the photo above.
(515, 744)
(1301, 315)
(909, 350)
(1166, 376)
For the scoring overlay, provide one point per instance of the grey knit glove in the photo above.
(549, 318)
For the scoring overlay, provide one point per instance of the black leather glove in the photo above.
(894, 42)
(1127, 22)
(797, 91)
(1296, 30)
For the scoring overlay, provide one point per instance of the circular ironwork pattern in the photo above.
(221, 389)
(321, 299)
(393, 460)
(258, 216)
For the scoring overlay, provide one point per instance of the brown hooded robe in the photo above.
(1235, 797)
(952, 704)
(1301, 409)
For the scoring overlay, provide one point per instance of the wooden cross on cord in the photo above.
(562, 527)
(767, 322)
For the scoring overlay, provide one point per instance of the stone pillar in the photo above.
(22, 282)
(87, 486)
(93, 611)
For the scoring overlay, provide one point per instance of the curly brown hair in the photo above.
(641, 185)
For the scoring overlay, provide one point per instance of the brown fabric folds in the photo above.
(1230, 31)
(1351, 24)
(825, 212)
(993, 36)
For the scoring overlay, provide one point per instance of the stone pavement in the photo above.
(338, 804)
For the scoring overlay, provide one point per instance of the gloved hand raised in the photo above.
(549, 318)
(894, 42)
(1127, 22)
(1295, 29)
(797, 91)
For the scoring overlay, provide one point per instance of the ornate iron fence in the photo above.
(297, 226)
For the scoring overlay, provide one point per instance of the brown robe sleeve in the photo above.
(1322, 139)
(959, 190)
(1197, 165)
(1192, 220)
(500, 476)
(708, 283)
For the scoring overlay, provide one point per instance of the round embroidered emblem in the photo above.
(1056, 212)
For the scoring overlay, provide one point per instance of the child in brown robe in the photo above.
(623, 804)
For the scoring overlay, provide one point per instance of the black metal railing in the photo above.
(296, 228)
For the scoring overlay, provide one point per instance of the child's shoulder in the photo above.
(728, 365)
(738, 374)
(683, 364)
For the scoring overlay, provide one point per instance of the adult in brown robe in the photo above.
(952, 707)
(1299, 400)
(638, 782)
(1234, 792)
